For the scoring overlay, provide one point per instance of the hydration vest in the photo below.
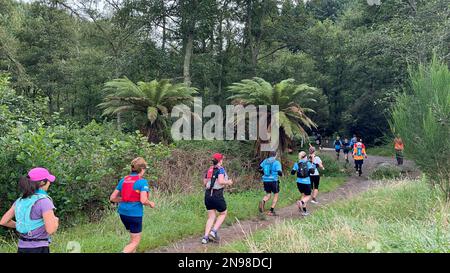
(23, 206)
(212, 174)
(128, 193)
(269, 173)
(303, 170)
(359, 151)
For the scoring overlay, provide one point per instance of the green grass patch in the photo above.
(391, 218)
(384, 150)
(175, 217)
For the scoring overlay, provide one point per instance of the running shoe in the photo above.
(272, 213)
(213, 234)
(205, 240)
(261, 206)
(314, 201)
(305, 213)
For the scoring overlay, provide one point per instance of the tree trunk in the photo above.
(188, 57)
(163, 47)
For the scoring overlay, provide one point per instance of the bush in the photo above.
(183, 171)
(422, 118)
(386, 171)
(87, 161)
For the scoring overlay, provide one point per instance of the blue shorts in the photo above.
(132, 224)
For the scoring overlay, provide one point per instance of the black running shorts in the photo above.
(304, 188)
(272, 187)
(216, 201)
(315, 180)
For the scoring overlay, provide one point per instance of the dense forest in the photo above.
(88, 85)
(354, 52)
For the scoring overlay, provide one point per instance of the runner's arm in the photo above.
(294, 169)
(51, 221)
(115, 198)
(7, 219)
(145, 201)
(221, 180)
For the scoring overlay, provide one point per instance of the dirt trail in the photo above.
(354, 186)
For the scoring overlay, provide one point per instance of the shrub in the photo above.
(422, 118)
(386, 171)
(183, 170)
(87, 162)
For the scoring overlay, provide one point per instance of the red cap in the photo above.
(218, 156)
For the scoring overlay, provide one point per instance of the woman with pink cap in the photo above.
(214, 181)
(33, 212)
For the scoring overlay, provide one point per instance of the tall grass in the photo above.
(402, 216)
(422, 118)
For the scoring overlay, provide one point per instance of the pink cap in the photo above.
(39, 174)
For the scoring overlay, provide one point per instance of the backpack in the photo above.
(359, 151)
(359, 148)
(267, 167)
(337, 144)
(303, 170)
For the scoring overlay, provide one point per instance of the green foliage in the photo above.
(234, 148)
(422, 118)
(87, 161)
(153, 99)
(285, 94)
(16, 110)
(384, 150)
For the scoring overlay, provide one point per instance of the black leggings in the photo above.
(44, 249)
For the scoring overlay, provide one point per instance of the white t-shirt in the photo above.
(317, 161)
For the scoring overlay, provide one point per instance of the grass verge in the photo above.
(391, 218)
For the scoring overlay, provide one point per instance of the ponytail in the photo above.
(28, 187)
(215, 162)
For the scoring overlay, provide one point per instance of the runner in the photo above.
(315, 177)
(359, 153)
(271, 169)
(399, 147)
(353, 140)
(214, 182)
(33, 211)
(337, 146)
(303, 169)
(347, 147)
(132, 194)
